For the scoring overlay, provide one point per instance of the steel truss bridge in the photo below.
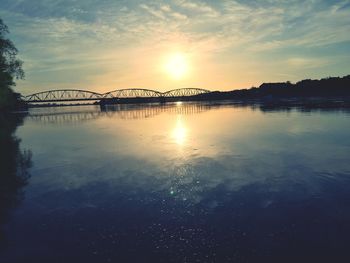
(65, 95)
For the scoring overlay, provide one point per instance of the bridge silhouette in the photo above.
(70, 95)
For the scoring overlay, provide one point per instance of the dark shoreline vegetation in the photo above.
(11, 101)
(330, 88)
(10, 69)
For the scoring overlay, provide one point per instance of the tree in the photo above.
(10, 69)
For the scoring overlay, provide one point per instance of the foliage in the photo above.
(10, 69)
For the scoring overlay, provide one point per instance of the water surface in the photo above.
(183, 182)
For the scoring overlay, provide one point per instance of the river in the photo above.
(181, 182)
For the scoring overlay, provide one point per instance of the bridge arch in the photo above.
(63, 95)
(185, 92)
(132, 93)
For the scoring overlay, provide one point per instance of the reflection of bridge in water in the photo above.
(72, 95)
(121, 111)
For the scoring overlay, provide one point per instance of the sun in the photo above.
(177, 65)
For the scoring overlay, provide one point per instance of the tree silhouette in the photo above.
(10, 69)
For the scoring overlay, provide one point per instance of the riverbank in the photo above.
(11, 101)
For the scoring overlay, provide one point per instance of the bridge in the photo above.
(70, 95)
(63, 95)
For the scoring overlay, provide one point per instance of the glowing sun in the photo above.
(177, 65)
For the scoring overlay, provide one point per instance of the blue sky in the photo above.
(108, 44)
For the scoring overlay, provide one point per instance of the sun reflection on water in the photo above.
(179, 134)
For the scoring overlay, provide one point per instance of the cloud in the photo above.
(303, 62)
(157, 13)
(198, 8)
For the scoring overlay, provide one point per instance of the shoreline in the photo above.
(264, 103)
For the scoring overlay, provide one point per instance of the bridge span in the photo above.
(71, 95)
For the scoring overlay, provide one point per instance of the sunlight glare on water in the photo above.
(180, 131)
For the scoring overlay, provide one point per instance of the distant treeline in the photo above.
(327, 88)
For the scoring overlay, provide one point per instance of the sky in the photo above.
(104, 45)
